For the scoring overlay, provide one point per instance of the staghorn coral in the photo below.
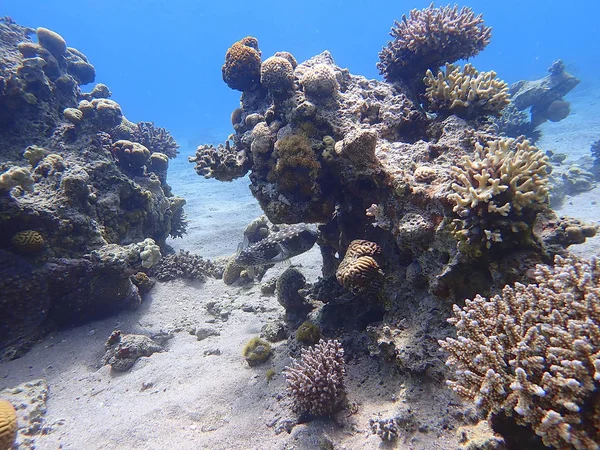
(533, 353)
(155, 139)
(466, 93)
(359, 271)
(8, 425)
(499, 181)
(277, 74)
(223, 163)
(241, 70)
(183, 265)
(316, 381)
(429, 38)
(28, 241)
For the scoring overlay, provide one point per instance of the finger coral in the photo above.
(466, 93)
(533, 353)
(429, 38)
(241, 70)
(223, 163)
(316, 381)
(359, 271)
(8, 425)
(155, 139)
(503, 179)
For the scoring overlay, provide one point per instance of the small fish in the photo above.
(277, 247)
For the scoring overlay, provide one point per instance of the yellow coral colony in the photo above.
(521, 175)
(8, 425)
(465, 91)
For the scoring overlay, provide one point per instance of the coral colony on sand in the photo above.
(418, 199)
(415, 206)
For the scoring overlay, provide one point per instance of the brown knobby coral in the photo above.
(533, 353)
(360, 271)
(504, 179)
(316, 381)
(277, 74)
(241, 70)
(297, 167)
(465, 92)
(429, 38)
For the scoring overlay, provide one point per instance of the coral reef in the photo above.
(256, 351)
(241, 70)
(277, 74)
(465, 92)
(533, 353)
(155, 139)
(319, 82)
(223, 163)
(429, 38)
(316, 381)
(123, 350)
(68, 210)
(131, 156)
(8, 424)
(359, 270)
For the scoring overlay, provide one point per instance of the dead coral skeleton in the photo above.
(533, 352)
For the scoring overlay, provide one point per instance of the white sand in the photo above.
(184, 398)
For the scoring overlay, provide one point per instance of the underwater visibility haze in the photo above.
(316, 225)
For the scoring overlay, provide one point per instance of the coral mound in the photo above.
(466, 93)
(316, 381)
(8, 425)
(533, 352)
(429, 38)
(241, 70)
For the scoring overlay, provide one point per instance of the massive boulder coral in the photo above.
(241, 70)
(465, 92)
(429, 38)
(533, 353)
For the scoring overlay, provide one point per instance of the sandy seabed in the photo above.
(202, 394)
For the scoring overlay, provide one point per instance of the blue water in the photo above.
(162, 59)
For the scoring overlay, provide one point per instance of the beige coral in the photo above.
(8, 424)
(465, 92)
(360, 271)
(319, 82)
(506, 180)
(16, 176)
(533, 352)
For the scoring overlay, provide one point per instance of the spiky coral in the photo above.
(466, 93)
(533, 352)
(504, 179)
(429, 38)
(316, 381)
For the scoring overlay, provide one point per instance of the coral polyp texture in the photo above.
(241, 70)
(359, 270)
(465, 92)
(8, 425)
(316, 380)
(502, 179)
(429, 38)
(277, 74)
(533, 353)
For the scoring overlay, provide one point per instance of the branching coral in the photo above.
(429, 38)
(316, 381)
(533, 352)
(466, 93)
(223, 163)
(155, 139)
(241, 70)
(499, 181)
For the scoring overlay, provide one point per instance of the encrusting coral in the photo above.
(466, 93)
(360, 271)
(316, 381)
(504, 178)
(429, 38)
(8, 425)
(533, 353)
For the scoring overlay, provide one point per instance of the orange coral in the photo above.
(241, 70)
